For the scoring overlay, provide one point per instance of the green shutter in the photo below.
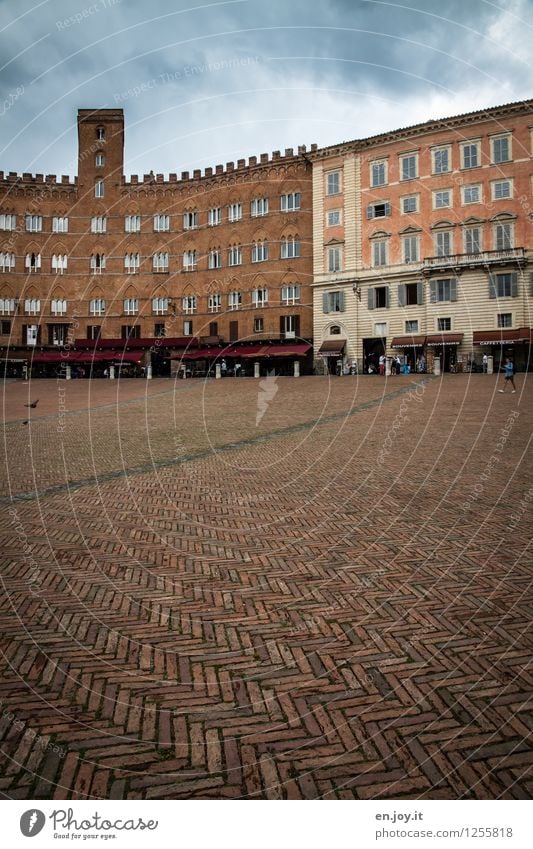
(387, 297)
(492, 286)
(453, 289)
(325, 302)
(342, 299)
(433, 291)
(514, 285)
(371, 298)
(420, 292)
(401, 295)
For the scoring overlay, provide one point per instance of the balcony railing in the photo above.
(509, 255)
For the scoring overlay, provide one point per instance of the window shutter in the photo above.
(492, 286)
(420, 292)
(282, 325)
(370, 211)
(371, 298)
(297, 325)
(341, 302)
(433, 291)
(387, 209)
(401, 295)
(387, 297)
(514, 285)
(325, 302)
(453, 289)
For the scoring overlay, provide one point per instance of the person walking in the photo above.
(508, 376)
(485, 363)
(382, 364)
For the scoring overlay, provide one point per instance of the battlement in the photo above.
(38, 180)
(263, 160)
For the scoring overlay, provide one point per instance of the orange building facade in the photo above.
(183, 272)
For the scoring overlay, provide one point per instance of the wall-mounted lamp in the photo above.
(357, 290)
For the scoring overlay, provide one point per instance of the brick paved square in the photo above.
(313, 588)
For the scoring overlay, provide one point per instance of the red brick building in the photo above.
(99, 270)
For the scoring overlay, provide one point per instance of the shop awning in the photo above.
(408, 341)
(502, 337)
(246, 351)
(332, 348)
(299, 349)
(444, 339)
(146, 342)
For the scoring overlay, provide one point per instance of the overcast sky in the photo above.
(205, 83)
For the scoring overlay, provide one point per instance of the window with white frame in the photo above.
(378, 210)
(409, 166)
(409, 204)
(189, 260)
(380, 252)
(59, 263)
(214, 302)
(290, 247)
(443, 290)
(234, 212)
(441, 157)
(161, 223)
(505, 319)
(98, 224)
(444, 323)
(501, 149)
(190, 220)
(333, 302)
(8, 221)
(214, 259)
(132, 224)
(97, 306)
(443, 243)
(214, 216)
(7, 306)
(333, 183)
(259, 325)
(131, 306)
(471, 194)
(259, 297)
(503, 236)
(411, 325)
(410, 248)
(259, 207)
(100, 133)
(187, 327)
(470, 154)
(442, 199)
(380, 329)
(97, 263)
(59, 224)
(235, 255)
(378, 173)
(33, 262)
(472, 240)
(234, 300)
(132, 263)
(99, 188)
(333, 217)
(259, 251)
(160, 305)
(290, 294)
(34, 223)
(290, 202)
(99, 160)
(189, 304)
(32, 306)
(7, 261)
(503, 285)
(502, 189)
(160, 262)
(334, 258)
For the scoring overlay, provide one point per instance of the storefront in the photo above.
(331, 352)
(373, 348)
(506, 344)
(411, 351)
(444, 346)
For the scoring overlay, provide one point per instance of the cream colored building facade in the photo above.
(423, 243)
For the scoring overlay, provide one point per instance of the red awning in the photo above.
(52, 357)
(245, 350)
(146, 342)
(502, 337)
(332, 348)
(445, 339)
(299, 349)
(408, 341)
(203, 354)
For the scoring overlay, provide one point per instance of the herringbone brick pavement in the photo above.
(331, 603)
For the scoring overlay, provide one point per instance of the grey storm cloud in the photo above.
(202, 83)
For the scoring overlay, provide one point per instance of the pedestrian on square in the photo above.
(224, 368)
(508, 376)
(485, 363)
(382, 364)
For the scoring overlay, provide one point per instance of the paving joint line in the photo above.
(168, 462)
